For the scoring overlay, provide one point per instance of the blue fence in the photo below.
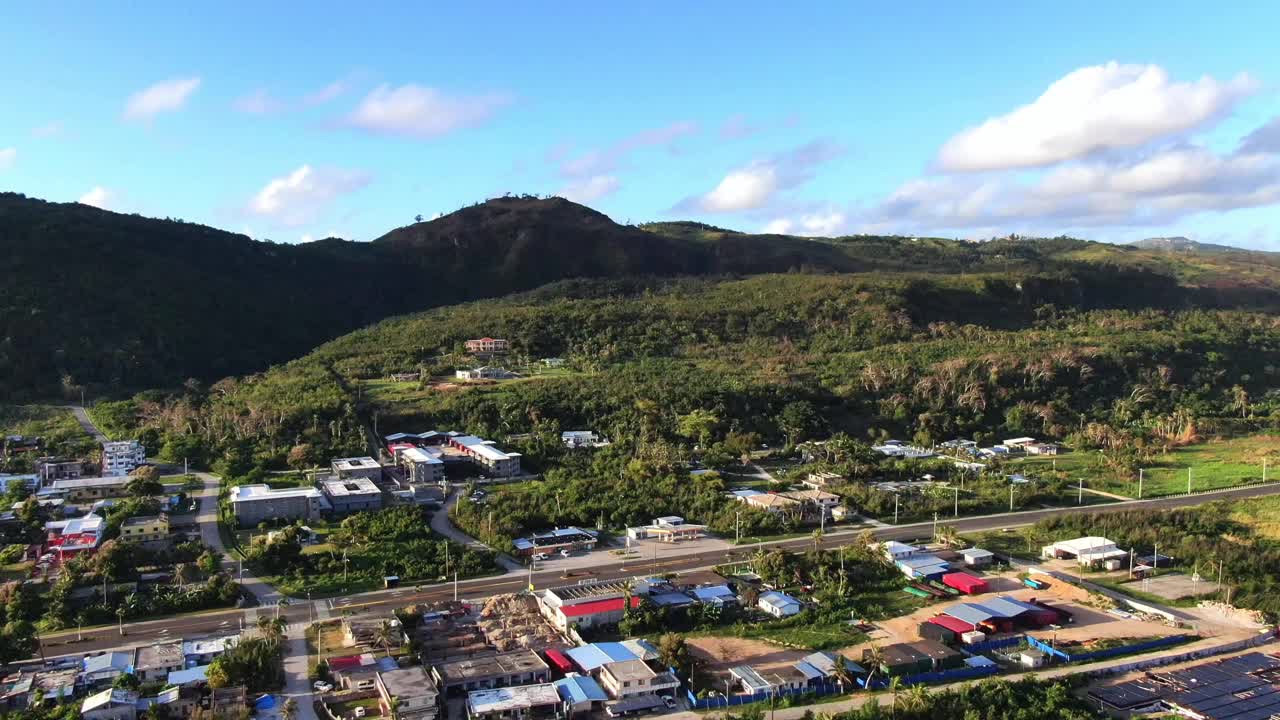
(819, 689)
(988, 645)
(964, 673)
(1109, 652)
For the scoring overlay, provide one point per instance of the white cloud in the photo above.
(1156, 188)
(299, 197)
(327, 93)
(820, 224)
(98, 197)
(591, 189)
(258, 102)
(745, 189)
(48, 130)
(608, 159)
(162, 97)
(7, 157)
(1093, 109)
(422, 112)
(756, 185)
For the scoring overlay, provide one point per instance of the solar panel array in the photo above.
(1246, 687)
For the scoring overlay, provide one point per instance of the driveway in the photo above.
(442, 525)
(86, 422)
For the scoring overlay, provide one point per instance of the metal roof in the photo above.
(580, 689)
(971, 613)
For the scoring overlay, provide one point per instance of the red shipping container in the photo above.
(965, 583)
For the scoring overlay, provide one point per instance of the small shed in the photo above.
(1031, 658)
(977, 557)
(940, 656)
(902, 659)
(930, 630)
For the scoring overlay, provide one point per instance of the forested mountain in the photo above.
(1183, 244)
(122, 302)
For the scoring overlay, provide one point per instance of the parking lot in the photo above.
(1176, 585)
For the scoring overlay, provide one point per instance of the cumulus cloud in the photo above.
(301, 196)
(608, 159)
(1090, 110)
(1155, 188)
(7, 157)
(422, 112)
(98, 197)
(590, 189)
(757, 184)
(258, 102)
(162, 97)
(825, 223)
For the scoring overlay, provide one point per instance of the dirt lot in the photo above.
(722, 653)
(1176, 585)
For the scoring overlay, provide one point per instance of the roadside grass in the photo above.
(1262, 514)
(1214, 465)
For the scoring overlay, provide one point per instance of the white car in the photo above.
(669, 701)
(565, 552)
(321, 686)
(542, 556)
(360, 711)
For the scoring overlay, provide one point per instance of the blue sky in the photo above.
(1112, 121)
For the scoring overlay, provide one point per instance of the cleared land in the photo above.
(1215, 464)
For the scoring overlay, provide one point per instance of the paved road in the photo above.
(442, 525)
(86, 422)
(382, 601)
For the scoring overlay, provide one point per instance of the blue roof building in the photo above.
(580, 692)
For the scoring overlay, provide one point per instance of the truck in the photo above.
(1037, 584)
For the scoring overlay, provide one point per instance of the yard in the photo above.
(1214, 465)
(58, 427)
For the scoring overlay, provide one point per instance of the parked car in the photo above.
(321, 686)
(541, 556)
(564, 552)
(360, 711)
(365, 685)
(669, 701)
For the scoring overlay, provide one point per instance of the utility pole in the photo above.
(957, 501)
(737, 526)
(1140, 473)
(1010, 497)
(1080, 491)
(935, 527)
(1188, 481)
(455, 586)
(895, 508)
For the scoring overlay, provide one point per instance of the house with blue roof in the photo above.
(105, 668)
(590, 658)
(580, 693)
(715, 595)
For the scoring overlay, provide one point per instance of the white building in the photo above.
(1085, 550)
(258, 503)
(122, 456)
(356, 467)
(353, 495)
(895, 551)
(485, 454)
(574, 439)
(778, 604)
(421, 466)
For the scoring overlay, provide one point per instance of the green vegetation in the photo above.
(58, 427)
(362, 550)
(256, 663)
(1027, 699)
(1202, 538)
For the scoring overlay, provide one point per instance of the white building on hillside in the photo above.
(121, 457)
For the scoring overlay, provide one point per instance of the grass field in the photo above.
(58, 426)
(1214, 465)
(1262, 514)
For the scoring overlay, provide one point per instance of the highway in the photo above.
(382, 601)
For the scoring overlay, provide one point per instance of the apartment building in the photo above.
(356, 467)
(352, 495)
(91, 488)
(488, 345)
(421, 466)
(122, 456)
(153, 529)
(258, 503)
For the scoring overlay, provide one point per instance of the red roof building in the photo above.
(559, 660)
(953, 624)
(597, 607)
(965, 583)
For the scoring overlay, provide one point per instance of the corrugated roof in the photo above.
(597, 606)
(578, 689)
(593, 656)
(1007, 607)
(971, 613)
(953, 624)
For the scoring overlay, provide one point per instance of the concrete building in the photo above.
(421, 467)
(977, 557)
(521, 667)
(204, 650)
(824, 502)
(153, 529)
(486, 455)
(895, 551)
(771, 502)
(821, 480)
(408, 694)
(633, 677)
(514, 703)
(122, 456)
(574, 439)
(485, 373)
(110, 704)
(153, 663)
(571, 538)
(487, 345)
(588, 604)
(668, 529)
(352, 495)
(581, 694)
(91, 488)
(356, 467)
(50, 469)
(258, 503)
(68, 538)
(103, 669)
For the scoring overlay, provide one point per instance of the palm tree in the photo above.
(289, 711)
(895, 684)
(817, 539)
(384, 636)
(917, 698)
(873, 656)
(843, 674)
(183, 573)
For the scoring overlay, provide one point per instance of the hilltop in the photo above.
(123, 302)
(1184, 244)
